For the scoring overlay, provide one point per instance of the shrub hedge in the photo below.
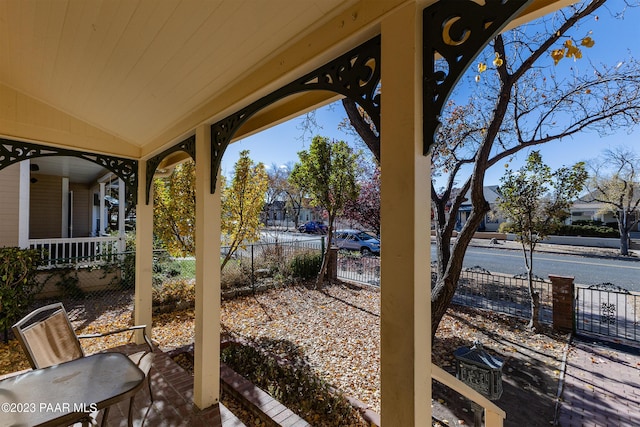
(573, 230)
(306, 265)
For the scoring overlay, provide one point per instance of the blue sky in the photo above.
(615, 39)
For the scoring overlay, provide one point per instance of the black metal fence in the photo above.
(276, 261)
(96, 291)
(609, 311)
(477, 287)
(79, 277)
(102, 293)
(359, 268)
(502, 293)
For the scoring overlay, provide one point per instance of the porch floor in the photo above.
(173, 405)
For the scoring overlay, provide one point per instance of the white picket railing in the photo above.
(74, 250)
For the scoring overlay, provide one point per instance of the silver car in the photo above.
(356, 240)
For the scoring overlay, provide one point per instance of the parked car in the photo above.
(356, 240)
(314, 227)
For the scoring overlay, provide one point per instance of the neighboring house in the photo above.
(63, 203)
(586, 209)
(274, 212)
(312, 214)
(491, 220)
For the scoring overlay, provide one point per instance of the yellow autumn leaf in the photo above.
(572, 51)
(557, 55)
(482, 67)
(497, 61)
(587, 42)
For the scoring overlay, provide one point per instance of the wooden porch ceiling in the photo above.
(146, 72)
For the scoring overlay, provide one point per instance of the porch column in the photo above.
(144, 257)
(405, 323)
(23, 204)
(64, 227)
(122, 200)
(101, 227)
(206, 382)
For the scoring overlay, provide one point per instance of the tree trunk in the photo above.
(322, 275)
(448, 274)
(233, 247)
(534, 321)
(624, 234)
(370, 138)
(441, 296)
(624, 242)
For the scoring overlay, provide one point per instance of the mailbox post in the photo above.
(482, 372)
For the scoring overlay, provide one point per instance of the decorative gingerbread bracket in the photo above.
(188, 146)
(356, 75)
(457, 31)
(16, 151)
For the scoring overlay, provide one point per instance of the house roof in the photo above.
(491, 195)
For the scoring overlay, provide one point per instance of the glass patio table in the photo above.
(64, 394)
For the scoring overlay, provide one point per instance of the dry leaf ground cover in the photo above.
(337, 331)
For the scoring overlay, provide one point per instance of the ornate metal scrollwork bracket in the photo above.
(188, 146)
(456, 30)
(16, 151)
(356, 75)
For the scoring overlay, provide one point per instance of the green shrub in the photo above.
(306, 265)
(587, 231)
(66, 280)
(128, 263)
(573, 230)
(164, 267)
(595, 222)
(18, 287)
(505, 227)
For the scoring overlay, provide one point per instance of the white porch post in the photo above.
(122, 197)
(23, 204)
(405, 324)
(64, 226)
(101, 227)
(144, 256)
(206, 382)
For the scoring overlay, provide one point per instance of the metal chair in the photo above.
(47, 337)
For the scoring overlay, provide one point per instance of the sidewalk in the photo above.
(601, 385)
(557, 248)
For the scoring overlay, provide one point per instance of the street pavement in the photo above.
(588, 265)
